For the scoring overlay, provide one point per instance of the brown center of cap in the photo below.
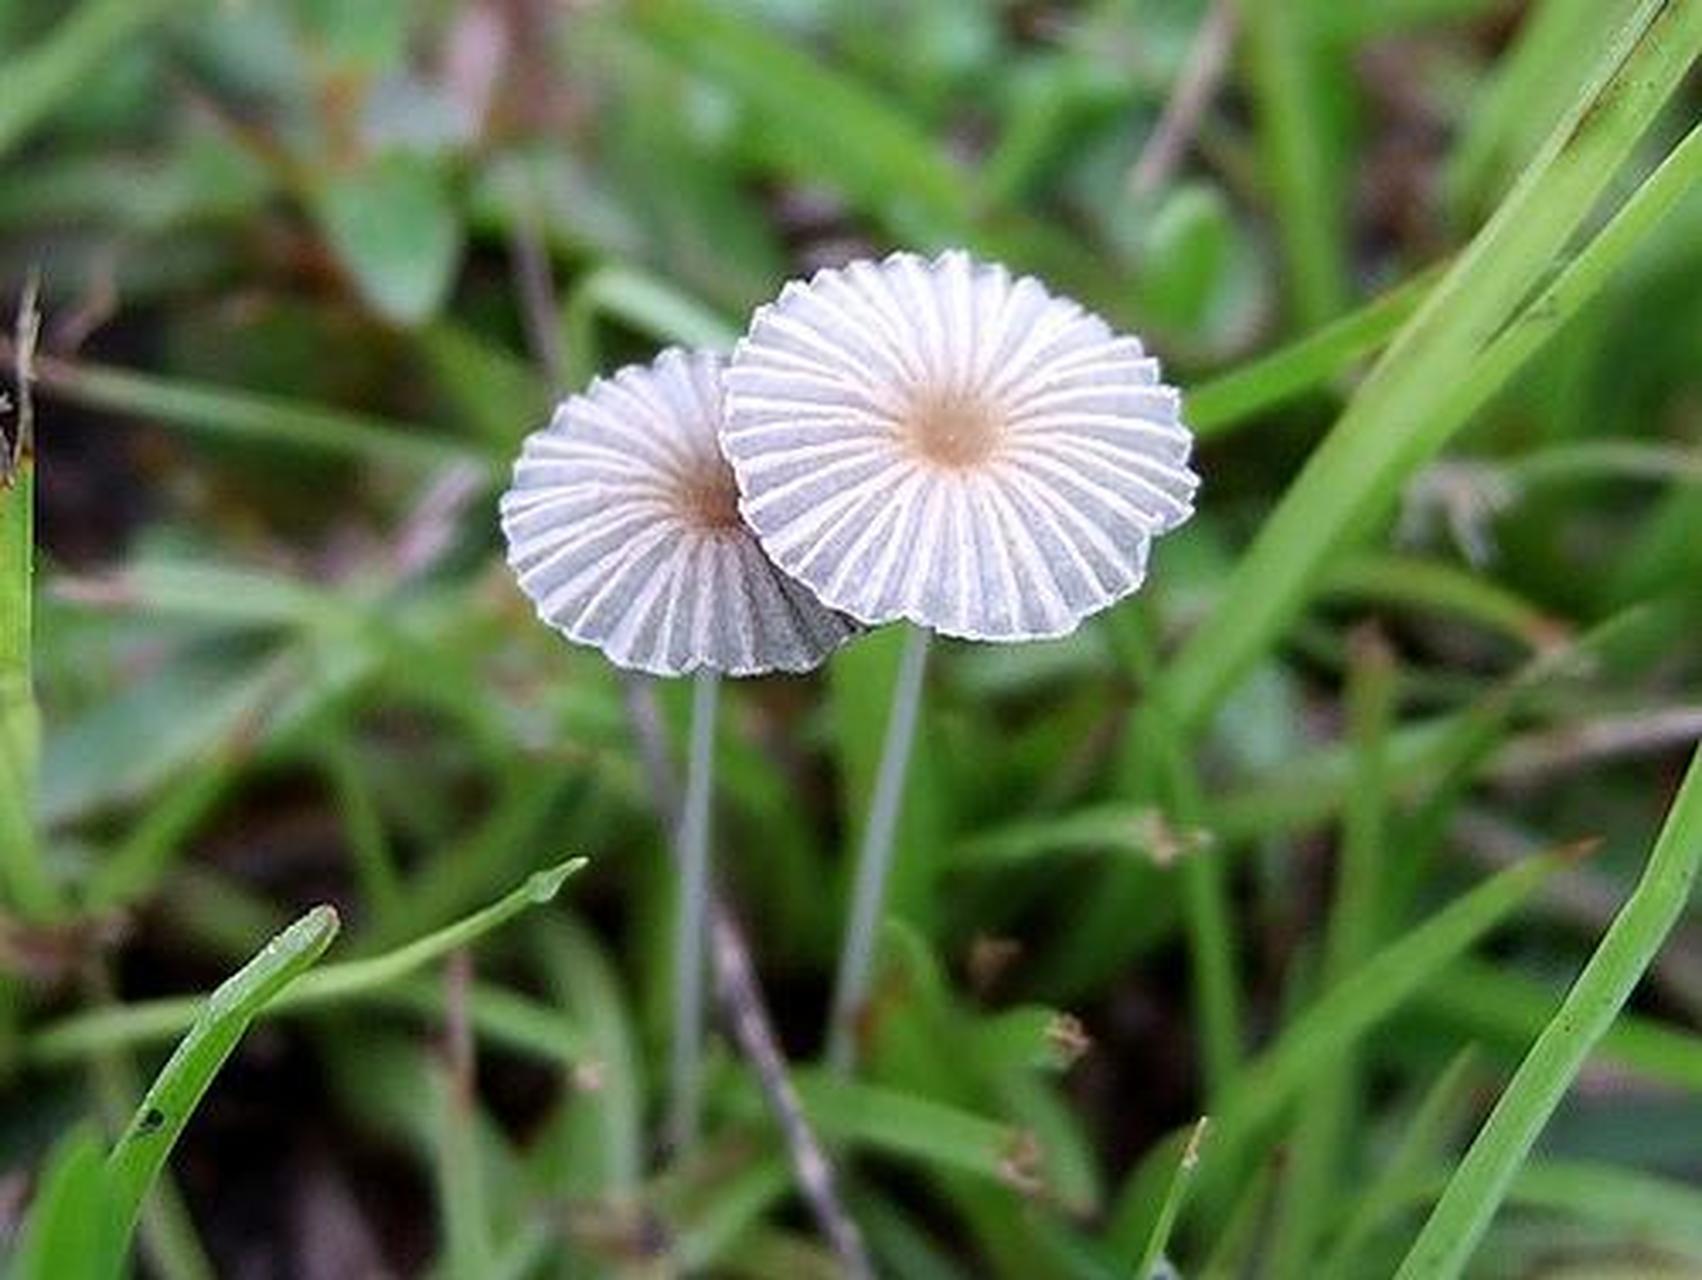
(952, 429)
(710, 500)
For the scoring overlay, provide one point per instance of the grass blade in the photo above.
(248, 415)
(156, 1019)
(69, 1231)
(1159, 1238)
(339, 982)
(1525, 95)
(1285, 53)
(166, 1239)
(1318, 1037)
(728, 1215)
(1650, 1210)
(1508, 1011)
(905, 1124)
(1482, 1179)
(166, 1107)
(1598, 263)
(1437, 587)
(26, 881)
(1435, 1120)
(1231, 400)
(1236, 1233)
(1331, 1106)
(1638, 1203)
(1205, 896)
(368, 840)
(586, 992)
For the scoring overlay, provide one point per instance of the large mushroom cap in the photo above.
(624, 530)
(942, 442)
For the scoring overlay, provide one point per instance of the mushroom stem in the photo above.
(692, 839)
(746, 1014)
(874, 859)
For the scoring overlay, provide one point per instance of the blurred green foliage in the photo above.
(294, 327)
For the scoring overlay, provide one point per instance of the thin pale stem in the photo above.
(874, 859)
(747, 1016)
(693, 843)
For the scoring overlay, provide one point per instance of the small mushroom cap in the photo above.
(942, 442)
(623, 529)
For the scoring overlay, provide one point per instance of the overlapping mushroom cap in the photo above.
(937, 441)
(623, 529)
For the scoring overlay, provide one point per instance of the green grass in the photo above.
(165, 1109)
(1293, 841)
(88, 1211)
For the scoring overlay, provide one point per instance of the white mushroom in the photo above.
(941, 442)
(624, 530)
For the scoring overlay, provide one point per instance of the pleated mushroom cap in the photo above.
(623, 528)
(942, 442)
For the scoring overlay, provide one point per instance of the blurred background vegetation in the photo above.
(309, 269)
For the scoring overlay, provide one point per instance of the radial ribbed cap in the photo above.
(941, 442)
(623, 528)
